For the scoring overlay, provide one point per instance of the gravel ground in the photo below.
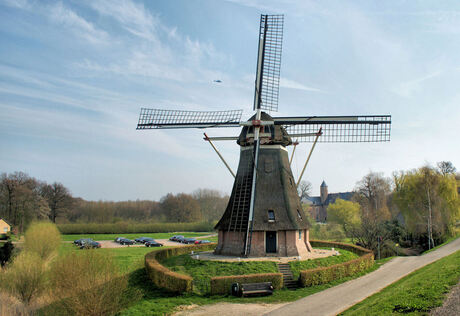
(451, 305)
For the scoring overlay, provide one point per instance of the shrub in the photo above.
(88, 283)
(126, 228)
(222, 285)
(25, 277)
(328, 274)
(165, 278)
(43, 238)
(5, 252)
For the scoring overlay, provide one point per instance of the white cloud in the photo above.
(66, 17)
(409, 88)
(291, 84)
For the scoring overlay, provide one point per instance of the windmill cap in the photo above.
(278, 135)
(323, 184)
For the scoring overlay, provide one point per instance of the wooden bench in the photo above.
(264, 288)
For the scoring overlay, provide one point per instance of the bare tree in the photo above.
(446, 167)
(58, 198)
(304, 189)
(372, 192)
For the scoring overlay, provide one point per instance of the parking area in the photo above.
(113, 244)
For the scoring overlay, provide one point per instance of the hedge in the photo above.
(324, 275)
(165, 278)
(126, 228)
(222, 284)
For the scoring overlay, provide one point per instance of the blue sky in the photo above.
(74, 74)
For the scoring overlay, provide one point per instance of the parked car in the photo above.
(179, 238)
(202, 242)
(143, 239)
(153, 243)
(90, 244)
(126, 241)
(188, 241)
(118, 239)
(176, 237)
(80, 242)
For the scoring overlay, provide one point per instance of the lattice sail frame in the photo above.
(271, 35)
(351, 129)
(157, 118)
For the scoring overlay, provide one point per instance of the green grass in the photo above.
(133, 236)
(297, 266)
(203, 270)
(417, 293)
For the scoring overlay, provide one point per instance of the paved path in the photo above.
(339, 298)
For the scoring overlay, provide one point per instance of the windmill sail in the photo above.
(155, 119)
(338, 129)
(269, 62)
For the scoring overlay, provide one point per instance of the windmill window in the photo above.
(299, 215)
(290, 180)
(300, 234)
(271, 215)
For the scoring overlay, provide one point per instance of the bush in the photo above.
(6, 252)
(165, 278)
(126, 228)
(323, 275)
(43, 238)
(222, 285)
(25, 277)
(88, 283)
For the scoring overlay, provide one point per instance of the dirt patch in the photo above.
(228, 309)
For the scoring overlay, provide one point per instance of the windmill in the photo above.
(264, 215)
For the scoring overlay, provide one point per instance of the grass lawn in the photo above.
(297, 266)
(417, 293)
(202, 271)
(133, 236)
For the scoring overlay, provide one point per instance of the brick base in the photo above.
(289, 243)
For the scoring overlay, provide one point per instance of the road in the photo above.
(339, 298)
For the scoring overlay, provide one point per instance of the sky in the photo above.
(74, 75)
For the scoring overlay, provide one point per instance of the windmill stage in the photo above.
(264, 216)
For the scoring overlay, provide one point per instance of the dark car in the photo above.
(90, 244)
(118, 239)
(80, 242)
(153, 243)
(176, 237)
(188, 241)
(143, 239)
(126, 241)
(179, 238)
(202, 242)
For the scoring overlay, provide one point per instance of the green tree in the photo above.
(428, 201)
(42, 238)
(345, 213)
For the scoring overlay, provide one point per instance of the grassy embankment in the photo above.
(416, 294)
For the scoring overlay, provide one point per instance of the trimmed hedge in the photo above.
(126, 228)
(324, 275)
(165, 278)
(222, 285)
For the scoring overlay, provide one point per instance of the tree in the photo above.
(20, 201)
(304, 189)
(181, 208)
(372, 193)
(429, 203)
(345, 213)
(212, 203)
(58, 198)
(446, 167)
